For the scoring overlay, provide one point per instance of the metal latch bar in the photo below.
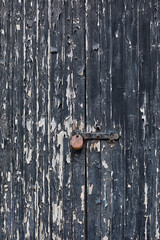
(112, 136)
(78, 137)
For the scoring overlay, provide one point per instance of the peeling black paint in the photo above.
(92, 66)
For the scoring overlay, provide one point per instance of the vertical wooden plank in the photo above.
(109, 88)
(93, 99)
(67, 113)
(105, 64)
(94, 190)
(17, 108)
(106, 115)
(93, 120)
(112, 190)
(131, 114)
(73, 118)
(155, 58)
(117, 108)
(5, 120)
(68, 95)
(145, 86)
(49, 118)
(29, 119)
(56, 131)
(42, 120)
(106, 187)
(78, 103)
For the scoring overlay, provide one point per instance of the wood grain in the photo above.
(92, 66)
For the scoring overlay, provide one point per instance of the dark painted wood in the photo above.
(106, 190)
(116, 116)
(29, 121)
(43, 118)
(68, 118)
(92, 66)
(106, 118)
(78, 115)
(131, 114)
(5, 120)
(18, 205)
(145, 123)
(93, 120)
(94, 190)
(155, 59)
(55, 96)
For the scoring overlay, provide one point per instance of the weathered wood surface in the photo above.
(91, 65)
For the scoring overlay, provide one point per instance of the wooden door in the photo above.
(90, 65)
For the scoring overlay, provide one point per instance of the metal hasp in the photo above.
(77, 138)
(111, 136)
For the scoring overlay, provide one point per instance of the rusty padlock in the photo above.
(77, 142)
